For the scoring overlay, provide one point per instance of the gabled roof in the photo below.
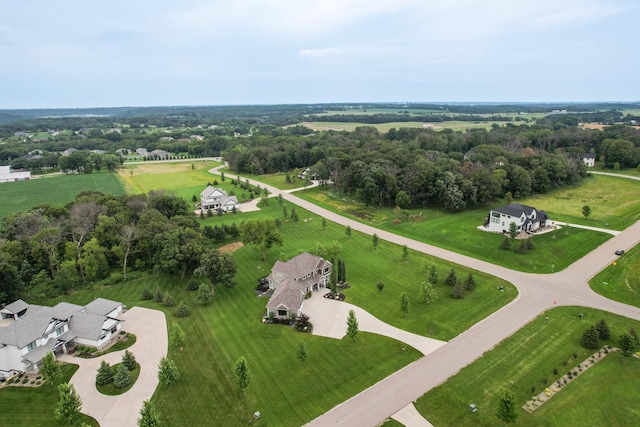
(287, 297)
(15, 307)
(27, 328)
(514, 209)
(588, 156)
(101, 306)
(64, 310)
(300, 265)
(211, 191)
(87, 325)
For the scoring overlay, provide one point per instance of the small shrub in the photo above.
(32, 382)
(533, 390)
(38, 377)
(158, 297)
(25, 380)
(555, 371)
(545, 381)
(183, 310)
(575, 355)
(565, 363)
(193, 285)
(38, 382)
(169, 301)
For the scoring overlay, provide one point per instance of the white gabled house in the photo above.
(589, 160)
(212, 198)
(292, 280)
(32, 331)
(527, 218)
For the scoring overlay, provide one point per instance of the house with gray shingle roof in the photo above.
(34, 330)
(292, 280)
(212, 198)
(526, 218)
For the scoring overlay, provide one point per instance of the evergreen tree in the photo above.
(603, 329)
(301, 353)
(405, 253)
(458, 291)
(590, 338)
(451, 280)
(129, 360)
(506, 243)
(469, 283)
(122, 377)
(352, 326)
(375, 239)
(433, 275)
(176, 336)
(627, 344)
(347, 231)
(105, 374)
(204, 294)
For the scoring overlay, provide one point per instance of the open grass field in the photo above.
(458, 232)
(606, 394)
(277, 180)
(35, 406)
(620, 282)
(613, 201)
(54, 190)
(442, 319)
(177, 177)
(384, 127)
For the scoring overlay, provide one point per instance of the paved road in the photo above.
(150, 328)
(536, 294)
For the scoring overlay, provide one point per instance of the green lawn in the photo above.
(54, 190)
(34, 406)
(458, 232)
(366, 266)
(525, 359)
(277, 180)
(613, 201)
(620, 282)
(285, 391)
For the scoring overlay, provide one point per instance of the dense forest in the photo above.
(51, 250)
(452, 170)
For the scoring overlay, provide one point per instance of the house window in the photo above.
(31, 346)
(282, 312)
(59, 331)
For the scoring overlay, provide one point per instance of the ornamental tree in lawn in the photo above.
(122, 377)
(69, 404)
(50, 369)
(352, 326)
(149, 417)
(242, 374)
(167, 371)
(507, 407)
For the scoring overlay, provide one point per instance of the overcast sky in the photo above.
(72, 53)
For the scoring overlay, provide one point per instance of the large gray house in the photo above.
(292, 280)
(212, 198)
(29, 332)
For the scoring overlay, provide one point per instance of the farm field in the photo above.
(146, 176)
(384, 127)
(54, 190)
(613, 201)
(620, 282)
(458, 232)
(34, 406)
(525, 360)
(442, 319)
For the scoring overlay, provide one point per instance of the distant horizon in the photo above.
(470, 103)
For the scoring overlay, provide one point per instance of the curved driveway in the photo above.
(150, 328)
(536, 294)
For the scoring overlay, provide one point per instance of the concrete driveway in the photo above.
(329, 319)
(150, 328)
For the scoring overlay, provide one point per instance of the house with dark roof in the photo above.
(526, 218)
(589, 159)
(212, 198)
(292, 280)
(32, 331)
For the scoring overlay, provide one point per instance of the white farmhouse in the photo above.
(527, 218)
(214, 198)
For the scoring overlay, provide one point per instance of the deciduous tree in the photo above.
(507, 407)
(167, 371)
(69, 404)
(50, 369)
(404, 304)
(262, 234)
(149, 417)
(242, 374)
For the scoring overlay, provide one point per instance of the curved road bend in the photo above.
(536, 294)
